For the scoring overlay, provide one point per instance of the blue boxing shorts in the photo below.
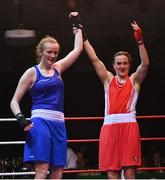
(46, 142)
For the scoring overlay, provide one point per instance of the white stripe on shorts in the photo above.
(48, 114)
(119, 118)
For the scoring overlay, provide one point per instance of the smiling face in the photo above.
(47, 50)
(50, 53)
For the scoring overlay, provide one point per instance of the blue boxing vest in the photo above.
(47, 92)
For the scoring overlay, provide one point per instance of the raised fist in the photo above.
(76, 19)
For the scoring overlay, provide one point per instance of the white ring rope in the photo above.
(17, 173)
(9, 119)
(12, 142)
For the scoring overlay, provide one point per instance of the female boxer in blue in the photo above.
(46, 133)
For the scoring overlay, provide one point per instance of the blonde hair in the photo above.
(40, 46)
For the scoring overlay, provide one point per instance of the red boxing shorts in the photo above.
(119, 146)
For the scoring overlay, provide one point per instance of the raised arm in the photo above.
(142, 69)
(67, 61)
(100, 68)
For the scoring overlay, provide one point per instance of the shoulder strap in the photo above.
(38, 74)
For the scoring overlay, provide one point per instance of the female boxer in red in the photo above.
(119, 147)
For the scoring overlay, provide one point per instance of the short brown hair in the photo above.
(125, 53)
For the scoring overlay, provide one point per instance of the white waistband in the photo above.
(48, 114)
(119, 118)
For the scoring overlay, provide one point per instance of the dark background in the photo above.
(107, 23)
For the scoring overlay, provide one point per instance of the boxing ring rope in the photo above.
(82, 141)
(94, 118)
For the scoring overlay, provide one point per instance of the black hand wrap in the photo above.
(22, 121)
(77, 23)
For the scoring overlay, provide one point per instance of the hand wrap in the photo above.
(138, 36)
(77, 23)
(22, 121)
